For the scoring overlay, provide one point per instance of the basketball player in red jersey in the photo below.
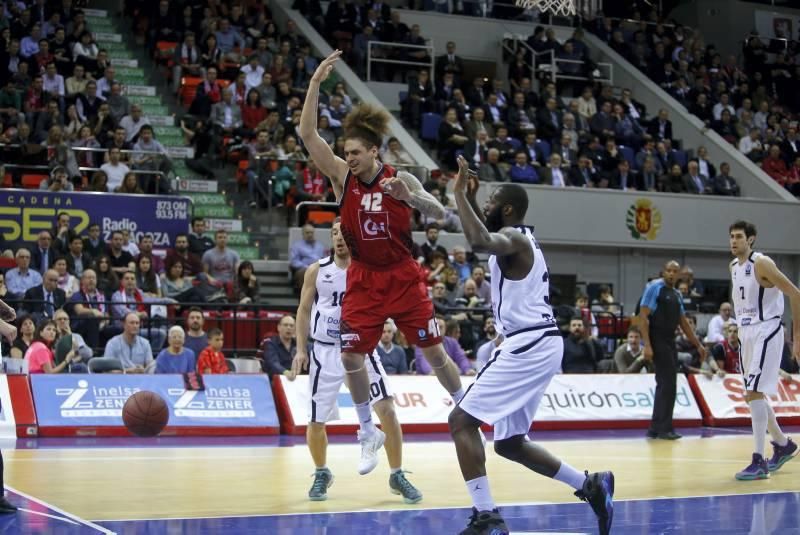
(383, 280)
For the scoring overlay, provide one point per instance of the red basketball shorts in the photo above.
(372, 297)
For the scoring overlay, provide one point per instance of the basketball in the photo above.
(145, 414)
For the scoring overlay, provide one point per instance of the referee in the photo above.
(660, 312)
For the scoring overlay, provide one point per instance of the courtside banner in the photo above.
(8, 425)
(571, 402)
(92, 403)
(722, 400)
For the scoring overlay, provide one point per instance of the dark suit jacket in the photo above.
(691, 187)
(654, 127)
(546, 176)
(577, 179)
(789, 153)
(615, 181)
(545, 129)
(33, 302)
(36, 258)
(85, 258)
(471, 148)
(442, 66)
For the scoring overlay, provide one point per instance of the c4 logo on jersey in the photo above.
(374, 225)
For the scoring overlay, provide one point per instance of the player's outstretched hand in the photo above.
(467, 179)
(395, 187)
(325, 68)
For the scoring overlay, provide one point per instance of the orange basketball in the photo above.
(145, 414)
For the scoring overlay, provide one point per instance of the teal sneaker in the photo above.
(756, 470)
(400, 485)
(781, 454)
(323, 479)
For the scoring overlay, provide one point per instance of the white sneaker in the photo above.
(370, 444)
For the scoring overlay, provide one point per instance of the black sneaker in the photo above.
(6, 507)
(598, 491)
(485, 523)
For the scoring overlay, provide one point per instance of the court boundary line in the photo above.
(418, 509)
(76, 518)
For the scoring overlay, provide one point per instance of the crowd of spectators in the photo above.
(751, 103)
(59, 92)
(95, 290)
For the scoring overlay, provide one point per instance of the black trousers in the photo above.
(665, 358)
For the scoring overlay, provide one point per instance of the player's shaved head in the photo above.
(515, 196)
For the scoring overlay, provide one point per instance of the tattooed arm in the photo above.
(406, 187)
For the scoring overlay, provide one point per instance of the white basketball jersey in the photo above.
(753, 303)
(522, 304)
(327, 309)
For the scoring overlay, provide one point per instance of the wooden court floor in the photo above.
(166, 482)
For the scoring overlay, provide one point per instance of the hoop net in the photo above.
(563, 8)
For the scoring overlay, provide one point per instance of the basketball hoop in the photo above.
(564, 8)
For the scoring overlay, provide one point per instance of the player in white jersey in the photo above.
(758, 287)
(9, 332)
(320, 309)
(508, 389)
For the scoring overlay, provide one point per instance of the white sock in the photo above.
(758, 414)
(365, 417)
(321, 468)
(774, 429)
(457, 395)
(481, 495)
(395, 470)
(570, 476)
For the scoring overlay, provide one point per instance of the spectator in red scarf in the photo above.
(130, 299)
(253, 112)
(774, 165)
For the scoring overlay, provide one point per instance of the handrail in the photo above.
(86, 149)
(429, 47)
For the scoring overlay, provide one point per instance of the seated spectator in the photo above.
(246, 285)
(689, 302)
(39, 356)
(221, 262)
(226, 120)
(451, 137)
(257, 153)
(503, 144)
(44, 254)
(726, 352)
(196, 337)
(420, 98)
(46, 301)
(303, 253)
(279, 350)
(146, 249)
(672, 182)
(129, 186)
(211, 359)
(565, 151)
(191, 262)
(93, 246)
(687, 352)
(715, 332)
(451, 347)
(22, 278)
(629, 357)
(89, 312)
(660, 128)
(176, 286)
(460, 263)
(107, 278)
(198, 242)
(476, 150)
(130, 349)
(67, 341)
(522, 171)
(775, 167)
(57, 181)
(582, 352)
(395, 155)
(175, 358)
(602, 123)
(792, 179)
(605, 302)
(694, 182)
(26, 328)
(726, 128)
(492, 170)
(392, 356)
(187, 60)
(115, 170)
(118, 104)
(554, 174)
(648, 176)
(627, 130)
(152, 157)
(584, 175)
(209, 92)
(147, 280)
(130, 299)
(120, 259)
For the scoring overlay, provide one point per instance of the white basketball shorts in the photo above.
(760, 352)
(509, 388)
(326, 375)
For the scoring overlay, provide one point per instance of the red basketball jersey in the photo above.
(375, 225)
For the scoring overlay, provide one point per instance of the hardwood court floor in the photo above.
(189, 482)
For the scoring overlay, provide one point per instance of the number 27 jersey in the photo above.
(375, 225)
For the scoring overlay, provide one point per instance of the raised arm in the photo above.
(504, 243)
(768, 271)
(406, 187)
(331, 165)
(300, 361)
